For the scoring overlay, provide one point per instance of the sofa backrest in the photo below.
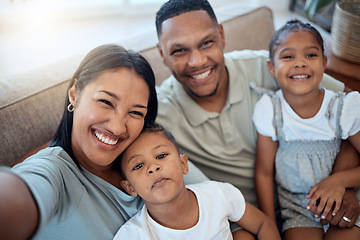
(31, 105)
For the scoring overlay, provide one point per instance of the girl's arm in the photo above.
(264, 174)
(19, 216)
(258, 223)
(330, 191)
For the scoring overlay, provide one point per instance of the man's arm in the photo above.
(347, 158)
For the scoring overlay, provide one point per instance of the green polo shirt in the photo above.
(223, 144)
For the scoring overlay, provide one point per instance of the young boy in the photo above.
(153, 169)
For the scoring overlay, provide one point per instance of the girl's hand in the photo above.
(325, 194)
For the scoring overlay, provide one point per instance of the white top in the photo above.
(315, 128)
(218, 203)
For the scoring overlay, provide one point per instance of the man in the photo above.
(208, 101)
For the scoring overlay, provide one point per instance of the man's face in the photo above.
(192, 45)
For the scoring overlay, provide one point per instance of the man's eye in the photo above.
(177, 51)
(138, 166)
(160, 156)
(204, 44)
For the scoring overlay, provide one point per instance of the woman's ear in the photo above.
(184, 163)
(271, 68)
(73, 93)
(128, 188)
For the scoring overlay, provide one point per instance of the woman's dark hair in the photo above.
(174, 8)
(98, 60)
(293, 26)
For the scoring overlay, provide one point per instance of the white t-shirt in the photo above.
(218, 203)
(315, 128)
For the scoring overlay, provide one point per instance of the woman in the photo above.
(71, 190)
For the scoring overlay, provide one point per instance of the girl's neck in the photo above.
(306, 106)
(181, 213)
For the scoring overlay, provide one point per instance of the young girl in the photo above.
(300, 130)
(154, 168)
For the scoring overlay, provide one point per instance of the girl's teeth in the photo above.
(103, 139)
(300, 76)
(201, 76)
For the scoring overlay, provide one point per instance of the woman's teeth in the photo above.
(201, 76)
(104, 139)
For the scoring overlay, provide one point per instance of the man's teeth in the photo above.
(300, 76)
(105, 139)
(201, 76)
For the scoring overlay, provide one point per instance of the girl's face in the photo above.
(109, 114)
(298, 63)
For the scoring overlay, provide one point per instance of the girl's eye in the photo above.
(311, 55)
(138, 166)
(160, 156)
(106, 102)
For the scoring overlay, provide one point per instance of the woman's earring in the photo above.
(70, 107)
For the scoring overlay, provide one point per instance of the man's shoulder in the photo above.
(247, 55)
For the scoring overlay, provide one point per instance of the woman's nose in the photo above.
(117, 124)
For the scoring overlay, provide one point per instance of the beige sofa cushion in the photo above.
(31, 104)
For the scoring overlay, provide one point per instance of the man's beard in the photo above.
(203, 96)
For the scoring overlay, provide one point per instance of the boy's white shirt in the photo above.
(218, 203)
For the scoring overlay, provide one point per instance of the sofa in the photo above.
(32, 104)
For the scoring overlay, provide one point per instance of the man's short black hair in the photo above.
(174, 8)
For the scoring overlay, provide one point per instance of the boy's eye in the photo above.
(287, 57)
(138, 166)
(160, 156)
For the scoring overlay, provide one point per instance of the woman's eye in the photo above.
(138, 166)
(160, 156)
(137, 113)
(106, 102)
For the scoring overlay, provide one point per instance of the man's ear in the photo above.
(73, 93)
(271, 68)
(222, 35)
(184, 163)
(128, 188)
(161, 53)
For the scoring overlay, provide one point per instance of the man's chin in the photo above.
(203, 95)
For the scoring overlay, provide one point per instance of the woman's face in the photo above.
(108, 115)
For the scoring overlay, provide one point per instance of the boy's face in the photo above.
(153, 168)
(191, 45)
(298, 63)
